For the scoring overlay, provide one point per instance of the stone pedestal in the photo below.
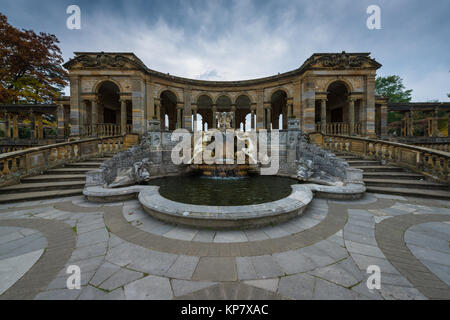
(293, 124)
(153, 125)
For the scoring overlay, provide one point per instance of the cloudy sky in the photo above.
(244, 39)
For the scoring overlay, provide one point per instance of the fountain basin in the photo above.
(225, 217)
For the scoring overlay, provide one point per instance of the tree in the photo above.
(30, 65)
(392, 87)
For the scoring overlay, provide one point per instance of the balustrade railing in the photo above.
(32, 161)
(432, 163)
(104, 129)
(339, 128)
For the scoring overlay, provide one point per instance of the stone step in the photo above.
(407, 184)
(54, 178)
(68, 171)
(39, 195)
(379, 168)
(349, 157)
(98, 159)
(47, 186)
(420, 193)
(363, 162)
(393, 175)
(83, 165)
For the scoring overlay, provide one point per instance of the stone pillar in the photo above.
(75, 106)
(83, 118)
(123, 116)
(33, 124)
(194, 112)
(137, 101)
(269, 118)
(7, 125)
(179, 123)
(351, 116)
(308, 105)
(369, 121)
(383, 120)
(435, 123)
(252, 118)
(410, 124)
(61, 125)
(233, 122)
(94, 117)
(15, 126)
(260, 113)
(214, 120)
(40, 131)
(323, 116)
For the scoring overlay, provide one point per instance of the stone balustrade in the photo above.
(429, 162)
(105, 129)
(340, 128)
(441, 146)
(33, 161)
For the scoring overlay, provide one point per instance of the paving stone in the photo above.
(359, 238)
(394, 279)
(86, 265)
(266, 266)
(91, 293)
(344, 273)
(105, 271)
(366, 293)
(275, 232)
(430, 255)
(294, 262)
(61, 282)
(59, 294)
(117, 294)
(152, 262)
(120, 278)
(230, 236)
(317, 255)
(10, 236)
(401, 293)
(204, 236)
(149, 288)
(332, 249)
(266, 284)
(363, 262)
(95, 250)
(183, 287)
(256, 235)
(245, 268)
(183, 267)
(186, 234)
(325, 290)
(389, 196)
(92, 237)
(299, 286)
(29, 246)
(216, 269)
(363, 249)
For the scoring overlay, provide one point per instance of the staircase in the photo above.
(394, 180)
(59, 182)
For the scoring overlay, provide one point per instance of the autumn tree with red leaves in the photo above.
(30, 66)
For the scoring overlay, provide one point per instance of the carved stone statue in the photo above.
(224, 120)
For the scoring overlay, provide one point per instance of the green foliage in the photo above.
(2, 134)
(392, 88)
(24, 133)
(394, 116)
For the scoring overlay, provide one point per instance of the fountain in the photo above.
(240, 195)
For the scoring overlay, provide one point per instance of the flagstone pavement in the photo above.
(125, 254)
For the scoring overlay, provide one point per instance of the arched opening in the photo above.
(337, 102)
(107, 117)
(278, 103)
(168, 110)
(243, 105)
(204, 111)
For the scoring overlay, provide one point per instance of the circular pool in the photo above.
(211, 191)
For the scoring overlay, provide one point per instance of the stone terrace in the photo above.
(125, 254)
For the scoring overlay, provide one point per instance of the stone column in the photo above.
(214, 120)
(137, 102)
(383, 122)
(7, 125)
(94, 117)
(252, 117)
(194, 112)
(15, 127)
(83, 118)
(75, 106)
(40, 131)
(233, 122)
(61, 124)
(369, 121)
(123, 116)
(179, 124)
(269, 117)
(351, 116)
(308, 105)
(435, 122)
(410, 124)
(33, 125)
(323, 116)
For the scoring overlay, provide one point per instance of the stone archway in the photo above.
(204, 109)
(243, 110)
(278, 102)
(337, 102)
(168, 110)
